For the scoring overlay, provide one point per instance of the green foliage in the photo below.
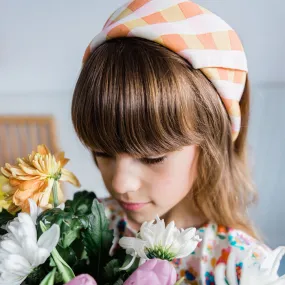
(50, 278)
(38, 274)
(81, 203)
(84, 245)
(97, 239)
(5, 217)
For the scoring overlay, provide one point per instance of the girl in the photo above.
(162, 102)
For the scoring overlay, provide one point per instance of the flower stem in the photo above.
(54, 194)
(64, 269)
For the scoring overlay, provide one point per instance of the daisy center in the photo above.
(160, 252)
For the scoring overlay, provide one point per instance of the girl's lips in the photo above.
(132, 206)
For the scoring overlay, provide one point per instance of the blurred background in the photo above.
(41, 47)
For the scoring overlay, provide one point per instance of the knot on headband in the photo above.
(193, 32)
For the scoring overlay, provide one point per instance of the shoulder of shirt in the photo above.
(226, 239)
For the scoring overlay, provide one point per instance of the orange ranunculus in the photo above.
(34, 177)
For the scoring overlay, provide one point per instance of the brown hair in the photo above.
(138, 97)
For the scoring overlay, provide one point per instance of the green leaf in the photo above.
(70, 224)
(58, 278)
(5, 217)
(69, 237)
(68, 255)
(52, 263)
(71, 231)
(70, 246)
(52, 216)
(134, 266)
(49, 279)
(38, 273)
(72, 219)
(112, 270)
(81, 203)
(63, 268)
(79, 250)
(98, 238)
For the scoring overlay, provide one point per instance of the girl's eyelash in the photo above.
(145, 160)
(153, 160)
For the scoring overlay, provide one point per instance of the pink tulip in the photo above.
(83, 279)
(154, 272)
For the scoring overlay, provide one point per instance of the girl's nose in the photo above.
(125, 178)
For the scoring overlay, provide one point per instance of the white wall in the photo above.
(41, 46)
(266, 140)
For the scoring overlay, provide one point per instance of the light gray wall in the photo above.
(41, 46)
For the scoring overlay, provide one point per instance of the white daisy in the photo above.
(158, 241)
(21, 251)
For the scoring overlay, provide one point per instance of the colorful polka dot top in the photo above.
(215, 247)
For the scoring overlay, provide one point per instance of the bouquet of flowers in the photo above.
(46, 240)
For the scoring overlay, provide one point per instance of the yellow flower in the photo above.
(34, 177)
(4, 204)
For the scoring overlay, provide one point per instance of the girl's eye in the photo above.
(154, 160)
(144, 160)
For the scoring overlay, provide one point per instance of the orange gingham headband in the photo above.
(196, 34)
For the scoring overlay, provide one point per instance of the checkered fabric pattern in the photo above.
(195, 33)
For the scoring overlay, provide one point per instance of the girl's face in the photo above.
(146, 187)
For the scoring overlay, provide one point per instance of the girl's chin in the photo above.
(145, 214)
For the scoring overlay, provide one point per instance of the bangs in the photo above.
(131, 98)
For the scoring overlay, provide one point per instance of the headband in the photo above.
(193, 32)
